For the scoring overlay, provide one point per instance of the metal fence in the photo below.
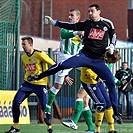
(9, 62)
(9, 40)
(67, 95)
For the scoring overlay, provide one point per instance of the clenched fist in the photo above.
(49, 20)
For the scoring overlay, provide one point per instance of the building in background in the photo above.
(130, 20)
(33, 12)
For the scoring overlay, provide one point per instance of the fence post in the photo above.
(50, 53)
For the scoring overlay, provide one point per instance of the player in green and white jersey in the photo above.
(70, 44)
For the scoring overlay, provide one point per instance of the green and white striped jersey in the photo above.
(69, 42)
(115, 79)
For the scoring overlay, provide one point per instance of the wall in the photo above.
(115, 10)
(43, 44)
(130, 25)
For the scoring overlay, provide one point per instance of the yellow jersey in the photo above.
(36, 64)
(87, 76)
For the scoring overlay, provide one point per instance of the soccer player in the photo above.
(70, 44)
(98, 93)
(34, 62)
(97, 32)
(81, 106)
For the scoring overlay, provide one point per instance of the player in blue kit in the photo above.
(97, 32)
(97, 91)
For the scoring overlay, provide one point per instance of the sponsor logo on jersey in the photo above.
(96, 34)
(31, 67)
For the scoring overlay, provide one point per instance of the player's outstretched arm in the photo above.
(49, 20)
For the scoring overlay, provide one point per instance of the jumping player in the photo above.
(97, 31)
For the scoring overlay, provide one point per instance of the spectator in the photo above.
(124, 76)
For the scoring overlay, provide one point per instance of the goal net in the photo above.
(9, 27)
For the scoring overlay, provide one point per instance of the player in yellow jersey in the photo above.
(96, 89)
(34, 62)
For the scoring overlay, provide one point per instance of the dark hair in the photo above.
(96, 6)
(76, 10)
(30, 40)
(124, 63)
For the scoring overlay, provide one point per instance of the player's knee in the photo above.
(108, 104)
(43, 107)
(79, 96)
(15, 104)
(85, 104)
(61, 66)
(57, 86)
(111, 84)
(101, 106)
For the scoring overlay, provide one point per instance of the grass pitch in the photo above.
(59, 128)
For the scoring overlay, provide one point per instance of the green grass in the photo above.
(59, 128)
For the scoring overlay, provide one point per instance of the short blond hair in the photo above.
(28, 38)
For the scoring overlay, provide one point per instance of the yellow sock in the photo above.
(110, 119)
(49, 126)
(98, 120)
(16, 125)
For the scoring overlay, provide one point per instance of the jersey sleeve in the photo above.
(46, 58)
(112, 34)
(91, 74)
(66, 34)
(66, 25)
(111, 28)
